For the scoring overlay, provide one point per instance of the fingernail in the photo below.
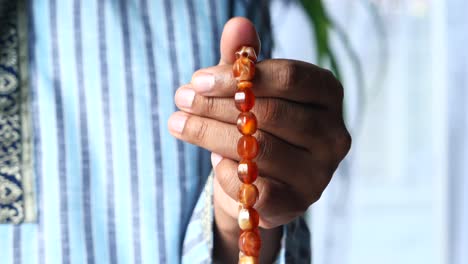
(177, 122)
(215, 159)
(184, 97)
(203, 82)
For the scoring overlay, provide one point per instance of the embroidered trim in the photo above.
(16, 199)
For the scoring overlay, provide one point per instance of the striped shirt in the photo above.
(98, 178)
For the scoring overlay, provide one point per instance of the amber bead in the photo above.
(247, 171)
(244, 259)
(248, 195)
(247, 123)
(244, 85)
(248, 260)
(250, 243)
(244, 99)
(248, 219)
(248, 52)
(247, 147)
(243, 69)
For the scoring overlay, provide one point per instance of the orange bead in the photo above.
(243, 69)
(244, 99)
(248, 195)
(247, 171)
(247, 147)
(248, 219)
(244, 259)
(248, 260)
(244, 85)
(248, 52)
(247, 123)
(250, 243)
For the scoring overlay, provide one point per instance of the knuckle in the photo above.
(227, 180)
(265, 146)
(319, 180)
(264, 191)
(346, 141)
(339, 90)
(343, 142)
(303, 205)
(308, 119)
(314, 197)
(199, 131)
(271, 112)
(329, 79)
(300, 205)
(287, 75)
(273, 194)
(210, 106)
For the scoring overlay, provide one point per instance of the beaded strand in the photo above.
(247, 148)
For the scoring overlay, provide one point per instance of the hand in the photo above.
(301, 134)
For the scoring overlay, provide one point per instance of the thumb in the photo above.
(237, 32)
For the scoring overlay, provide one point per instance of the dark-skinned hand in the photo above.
(302, 135)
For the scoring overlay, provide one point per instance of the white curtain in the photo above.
(401, 196)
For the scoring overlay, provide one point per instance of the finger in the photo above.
(226, 203)
(293, 122)
(273, 155)
(292, 80)
(237, 32)
(277, 202)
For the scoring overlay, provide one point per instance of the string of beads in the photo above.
(247, 148)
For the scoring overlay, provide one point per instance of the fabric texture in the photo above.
(16, 197)
(111, 184)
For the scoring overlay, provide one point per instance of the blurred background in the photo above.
(401, 196)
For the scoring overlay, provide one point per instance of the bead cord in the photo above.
(247, 147)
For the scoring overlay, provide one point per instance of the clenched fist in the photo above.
(302, 135)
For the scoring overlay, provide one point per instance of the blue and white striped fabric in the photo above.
(111, 184)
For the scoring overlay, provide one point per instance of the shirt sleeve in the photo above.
(198, 242)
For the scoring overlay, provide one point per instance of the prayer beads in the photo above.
(247, 123)
(248, 195)
(242, 85)
(247, 147)
(247, 171)
(244, 69)
(249, 243)
(248, 219)
(243, 259)
(245, 99)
